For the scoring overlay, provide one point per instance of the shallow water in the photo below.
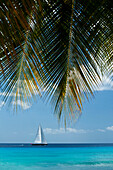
(56, 157)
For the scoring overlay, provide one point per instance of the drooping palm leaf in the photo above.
(57, 45)
(77, 52)
(19, 61)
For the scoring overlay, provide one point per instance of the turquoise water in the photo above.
(57, 158)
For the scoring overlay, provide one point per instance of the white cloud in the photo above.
(107, 84)
(71, 130)
(24, 105)
(101, 130)
(62, 130)
(54, 131)
(110, 128)
(4, 94)
(105, 87)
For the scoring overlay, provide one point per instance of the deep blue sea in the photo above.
(56, 157)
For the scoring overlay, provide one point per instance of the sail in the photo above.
(40, 138)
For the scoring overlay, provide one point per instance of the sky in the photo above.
(95, 125)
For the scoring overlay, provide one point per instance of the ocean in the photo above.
(56, 157)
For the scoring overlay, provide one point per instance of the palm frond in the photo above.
(59, 46)
(19, 62)
(77, 53)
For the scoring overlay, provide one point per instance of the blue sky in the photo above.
(94, 125)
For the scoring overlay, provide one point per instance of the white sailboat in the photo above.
(40, 138)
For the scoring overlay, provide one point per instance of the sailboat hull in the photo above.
(39, 144)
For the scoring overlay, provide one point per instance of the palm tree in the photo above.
(56, 49)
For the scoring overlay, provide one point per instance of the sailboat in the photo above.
(40, 138)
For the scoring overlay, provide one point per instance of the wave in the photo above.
(87, 165)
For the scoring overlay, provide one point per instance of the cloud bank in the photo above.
(62, 130)
(75, 131)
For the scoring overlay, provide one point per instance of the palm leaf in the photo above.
(18, 64)
(77, 53)
(59, 46)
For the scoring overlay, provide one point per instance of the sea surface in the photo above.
(56, 157)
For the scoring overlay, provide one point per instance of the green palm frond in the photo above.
(77, 53)
(19, 61)
(59, 46)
